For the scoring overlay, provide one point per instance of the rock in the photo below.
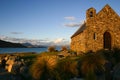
(9, 65)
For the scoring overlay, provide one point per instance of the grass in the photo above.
(43, 67)
(29, 56)
(69, 65)
(49, 53)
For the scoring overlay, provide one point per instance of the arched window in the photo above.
(91, 14)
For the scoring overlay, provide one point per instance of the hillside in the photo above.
(5, 44)
(29, 45)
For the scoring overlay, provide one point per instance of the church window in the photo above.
(91, 14)
(94, 36)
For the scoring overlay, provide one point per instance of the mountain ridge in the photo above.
(29, 45)
(6, 44)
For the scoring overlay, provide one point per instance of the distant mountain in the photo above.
(29, 45)
(5, 44)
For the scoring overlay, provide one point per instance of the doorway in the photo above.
(107, 40)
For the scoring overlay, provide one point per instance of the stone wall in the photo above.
(93, 37)
(78, 43)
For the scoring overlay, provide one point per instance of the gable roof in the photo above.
(108, 8)
(83, 27)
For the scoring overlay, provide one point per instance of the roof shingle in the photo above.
(83, 27)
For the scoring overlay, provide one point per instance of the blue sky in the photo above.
(45, 21)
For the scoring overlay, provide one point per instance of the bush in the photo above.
(51, 49)
(66, 68)
(116, 55)
(72, 52)
(106, 53)
(63, 48)
(91, 62)
(43, 68)
(50, 67)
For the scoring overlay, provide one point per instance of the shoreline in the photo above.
(18, 53)
(21, 50)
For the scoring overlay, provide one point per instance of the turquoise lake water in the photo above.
(14, 50)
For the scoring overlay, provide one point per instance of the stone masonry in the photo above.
(100, 31)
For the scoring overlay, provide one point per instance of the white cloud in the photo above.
(61, 41)
(70, 18)
(72, 24)
(48, 42)
(22, 40)
(58, 40)
(16, 33)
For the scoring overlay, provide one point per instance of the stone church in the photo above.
(100, 31)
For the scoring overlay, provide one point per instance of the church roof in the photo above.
(83, 27)
(107, 7)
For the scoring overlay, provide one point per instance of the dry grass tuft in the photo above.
(42, 69)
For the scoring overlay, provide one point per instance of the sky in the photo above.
(45, 22)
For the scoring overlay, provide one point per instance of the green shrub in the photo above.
(72, 52)
(66, 68)
(51, 49)
(64, 48)
(106, 53)
(91, 62)
(116, 55)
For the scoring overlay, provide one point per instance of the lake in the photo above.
(14, 50)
